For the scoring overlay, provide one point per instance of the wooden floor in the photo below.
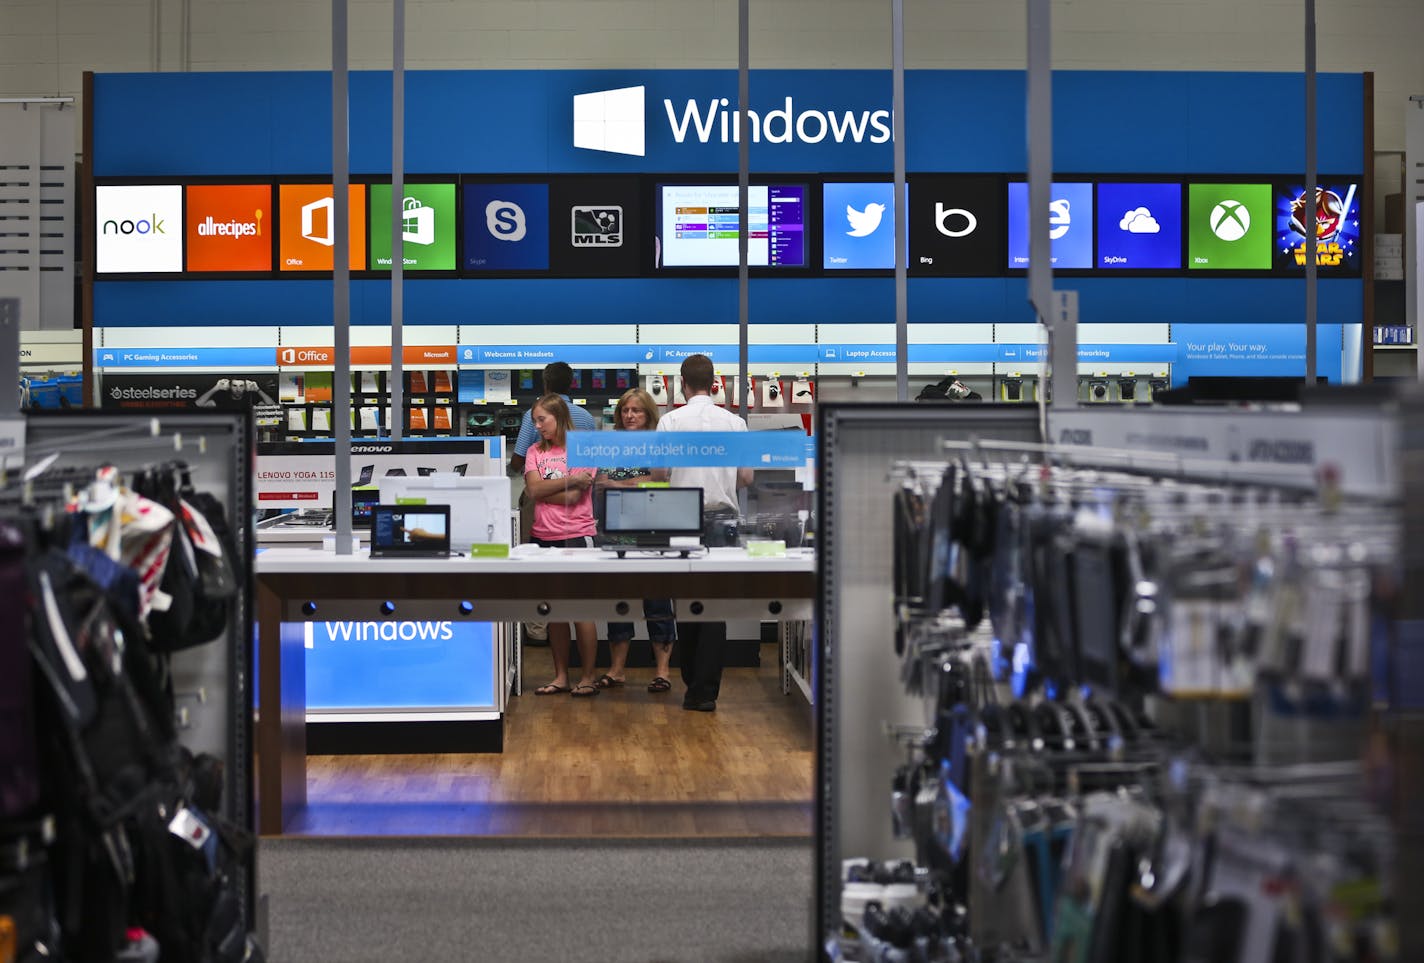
(625, 763)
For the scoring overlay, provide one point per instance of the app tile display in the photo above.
(1229, 227)
(140, 228)
(1337, 232)
(229, 227)
(858, 226)
(956, 225)
(506, 227)
(1139, 226)
(1070, 225)
(307, 236)
(427, 227)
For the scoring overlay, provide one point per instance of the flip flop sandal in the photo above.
(659, 684)
(552, 689)
(584, 690)
(607, 681)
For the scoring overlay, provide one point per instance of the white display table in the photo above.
(306, 584)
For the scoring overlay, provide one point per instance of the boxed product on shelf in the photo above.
(291, 389)
(318, 386)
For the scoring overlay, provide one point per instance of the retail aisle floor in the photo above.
(625, 763)
(512, 900)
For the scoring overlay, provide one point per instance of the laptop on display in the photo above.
(410, 531)
(363, 500)
(651, 518)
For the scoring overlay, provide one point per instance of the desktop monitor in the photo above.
(479, 504)
(652, 517)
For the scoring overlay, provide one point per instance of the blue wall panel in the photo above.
(966, 301)
(520, 121)
(130, 304)
(1126, 300)
(267, 124)
(962, 121)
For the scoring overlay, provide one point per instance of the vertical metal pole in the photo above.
(1062, 336)
(1310, 213)
(396, 388)
(744, 166)
(1413, 226)
(341, 277)
(897, 106)
(9, 358)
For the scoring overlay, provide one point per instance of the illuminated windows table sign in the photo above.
(392, 665)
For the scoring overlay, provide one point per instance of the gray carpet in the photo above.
(470, 899)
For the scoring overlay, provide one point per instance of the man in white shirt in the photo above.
(702, 645)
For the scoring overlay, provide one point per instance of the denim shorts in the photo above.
(581, 541)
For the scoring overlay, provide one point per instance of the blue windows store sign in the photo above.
(525, 122)
(396, 665)
(516, 128)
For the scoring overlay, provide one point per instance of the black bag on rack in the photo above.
(120, 588)
(204, 521)
(19, 759)
(104, 746)
(187, 864)
(200, 577)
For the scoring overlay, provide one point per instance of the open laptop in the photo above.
(363, 500)
(410, 531)
(651, 518)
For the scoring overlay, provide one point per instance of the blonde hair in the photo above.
(556, 408)
(639, 397)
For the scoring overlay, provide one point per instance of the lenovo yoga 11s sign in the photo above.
(229, 227)
(427, 227)
(308, 227)
(139, 228)
(506, 227)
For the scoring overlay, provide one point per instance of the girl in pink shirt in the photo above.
(563, 518)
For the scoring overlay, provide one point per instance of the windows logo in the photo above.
(1230, 220)
(417, 222)
(610, 121)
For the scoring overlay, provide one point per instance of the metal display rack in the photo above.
(858, 694)
(213, 683)
(855, 683)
